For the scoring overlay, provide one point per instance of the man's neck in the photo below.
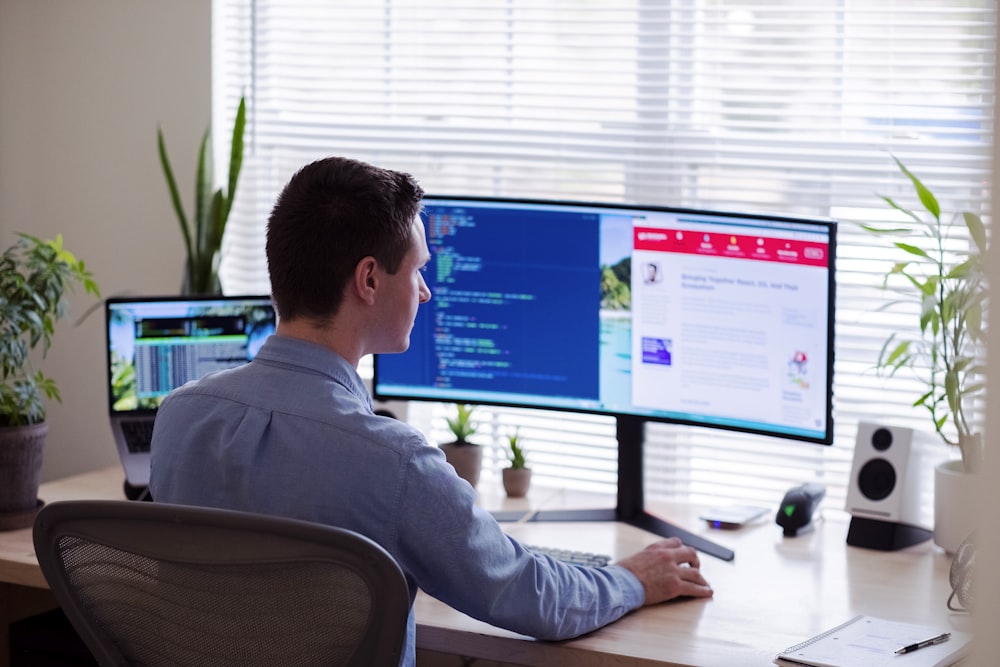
(325, 336)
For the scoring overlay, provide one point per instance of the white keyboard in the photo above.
(572, 556)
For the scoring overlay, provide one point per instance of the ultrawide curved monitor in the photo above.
(722, 320)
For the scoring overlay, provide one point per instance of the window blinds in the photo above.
(768, 105)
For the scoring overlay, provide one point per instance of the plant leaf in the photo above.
(951, 389)
(202, 200)
(974, 320)
(175, 196)
(905, 211)
(217, 218)
(923, 399)
(962, 270)
(912, 249)
(885, 230)
(897, 353)
(976, 230)
(929, 201)
(235, 158)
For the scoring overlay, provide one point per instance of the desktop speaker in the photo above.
(883, 493)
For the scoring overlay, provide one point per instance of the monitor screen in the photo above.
(156, 344)
(694, 317)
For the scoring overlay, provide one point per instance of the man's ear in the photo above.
(366, 279)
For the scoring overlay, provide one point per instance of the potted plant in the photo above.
(203, 231)
(34, 277)
(517, 476)
(465, 456)
(945, 278)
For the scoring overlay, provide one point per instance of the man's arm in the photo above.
(457, 553)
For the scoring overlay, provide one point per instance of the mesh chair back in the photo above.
(156, 584)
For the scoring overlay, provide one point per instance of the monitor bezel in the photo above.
(829, 224)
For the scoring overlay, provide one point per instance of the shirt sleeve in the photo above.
(457, 553)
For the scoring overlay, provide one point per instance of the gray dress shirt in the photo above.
(293, 434)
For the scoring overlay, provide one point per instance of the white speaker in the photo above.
(395, 409)
(883, 494)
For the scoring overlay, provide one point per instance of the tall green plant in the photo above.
(34, 277)
(946, 278)
(203, 231)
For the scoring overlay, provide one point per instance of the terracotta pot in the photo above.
(21, 449)
(467, 459)
(956, 495)
(516, 481)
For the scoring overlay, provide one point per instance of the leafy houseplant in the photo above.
(517, 460)
(946, 278)
(516, 477)
(203, 231)
(34, 277)
(465, 456)
(461, 425)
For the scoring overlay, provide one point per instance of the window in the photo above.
(761, 105)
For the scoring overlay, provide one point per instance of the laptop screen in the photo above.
(156, 344)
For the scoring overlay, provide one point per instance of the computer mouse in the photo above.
(795, 514)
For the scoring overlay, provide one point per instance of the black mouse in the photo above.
(795, 514)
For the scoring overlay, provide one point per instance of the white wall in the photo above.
(83, 86)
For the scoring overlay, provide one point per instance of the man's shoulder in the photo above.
(392, 433)
(213, 383)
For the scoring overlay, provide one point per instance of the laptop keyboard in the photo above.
(573, 556)
(138, 434)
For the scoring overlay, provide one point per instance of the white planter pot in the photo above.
(956, 501)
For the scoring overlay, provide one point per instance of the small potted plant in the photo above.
(34, 277)
(203, 231)
(517, 476)
(465, 456)
(945, 278)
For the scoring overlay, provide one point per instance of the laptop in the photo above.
(157, 343)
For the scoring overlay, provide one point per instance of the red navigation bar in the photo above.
(737, 246)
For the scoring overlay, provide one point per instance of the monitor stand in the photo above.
(631, 433)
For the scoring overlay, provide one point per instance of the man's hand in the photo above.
(668, 569)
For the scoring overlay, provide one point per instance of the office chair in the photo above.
(157, 584)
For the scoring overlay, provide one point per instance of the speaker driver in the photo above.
(877, 479)
(882, 439)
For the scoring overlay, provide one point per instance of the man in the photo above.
(293, 433)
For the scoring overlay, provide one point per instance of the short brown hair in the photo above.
(333, 213)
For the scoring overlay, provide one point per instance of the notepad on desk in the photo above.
(868, 641)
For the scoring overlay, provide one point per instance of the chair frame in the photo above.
(181, 534)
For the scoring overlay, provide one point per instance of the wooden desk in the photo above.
(775, 593)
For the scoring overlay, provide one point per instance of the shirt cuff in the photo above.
(633, 594)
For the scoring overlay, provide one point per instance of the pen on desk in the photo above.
(943, 637)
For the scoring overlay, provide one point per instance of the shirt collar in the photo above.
(290, 351)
